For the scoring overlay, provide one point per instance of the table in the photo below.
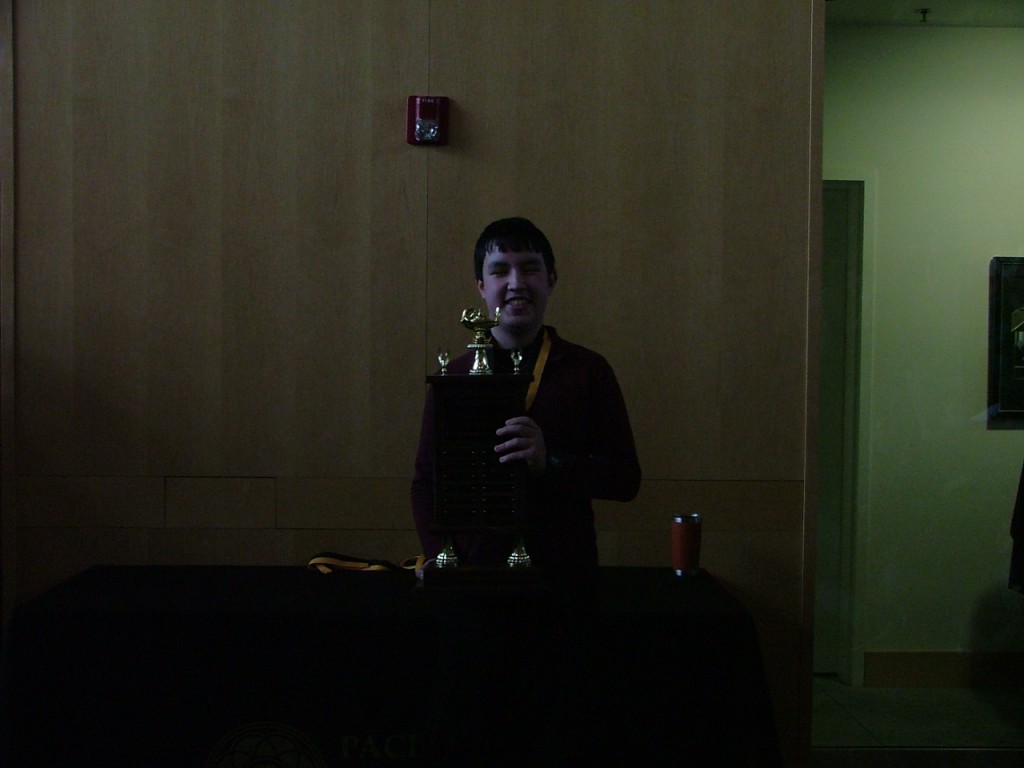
(229, 666)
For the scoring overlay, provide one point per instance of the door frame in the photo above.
(843, 292)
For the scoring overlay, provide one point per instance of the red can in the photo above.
(686, 543)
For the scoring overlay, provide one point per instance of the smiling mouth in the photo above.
(517, 302)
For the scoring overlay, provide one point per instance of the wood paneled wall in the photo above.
(233, 273)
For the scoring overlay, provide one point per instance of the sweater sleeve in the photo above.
(423, 482)
(595, 458)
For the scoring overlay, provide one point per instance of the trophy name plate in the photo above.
(473, 491)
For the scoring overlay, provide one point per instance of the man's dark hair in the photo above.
(514, 234)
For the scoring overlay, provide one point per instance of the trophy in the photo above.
(473, 491)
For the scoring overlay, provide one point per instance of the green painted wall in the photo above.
(932, 119)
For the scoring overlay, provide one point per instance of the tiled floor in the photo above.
(882, 727)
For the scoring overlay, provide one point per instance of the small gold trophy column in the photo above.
(480, 324)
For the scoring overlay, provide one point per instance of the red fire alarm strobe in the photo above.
(427, 120)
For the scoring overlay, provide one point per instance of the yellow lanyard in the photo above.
(538, 370)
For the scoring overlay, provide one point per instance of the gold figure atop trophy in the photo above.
(480, 324)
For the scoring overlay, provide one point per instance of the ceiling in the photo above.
(942, 13)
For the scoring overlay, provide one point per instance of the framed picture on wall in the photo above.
(1006, 343)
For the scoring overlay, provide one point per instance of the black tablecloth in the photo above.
(229, 666)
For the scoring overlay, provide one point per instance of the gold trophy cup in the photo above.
(480, 324)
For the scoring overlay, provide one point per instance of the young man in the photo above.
(575, 438)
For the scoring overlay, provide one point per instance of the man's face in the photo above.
(519, 284)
